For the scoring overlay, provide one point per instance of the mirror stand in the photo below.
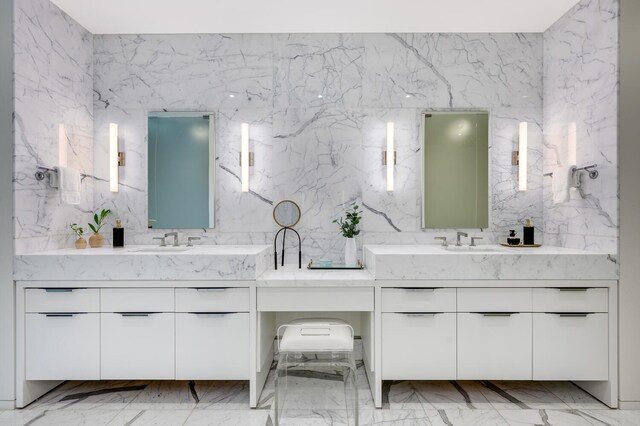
(275, 246)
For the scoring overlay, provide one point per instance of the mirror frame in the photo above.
(213, 126)
(423, 114)
(299, 213)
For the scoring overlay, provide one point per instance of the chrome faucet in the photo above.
(473, 241)
(175, 238)
(190, 241)
(460, 234)
(163, 241)
(444, 240)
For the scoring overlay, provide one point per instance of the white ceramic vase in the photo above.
(350, 252)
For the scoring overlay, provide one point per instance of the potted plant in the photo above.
(97, 240)
(349, 230)
(81, 243)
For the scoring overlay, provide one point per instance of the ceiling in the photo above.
(326, 16)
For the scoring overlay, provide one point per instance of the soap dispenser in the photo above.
(527, 233)
(512, 240)
(118, 234)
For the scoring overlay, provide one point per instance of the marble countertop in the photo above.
(291, 276)
(202, 262)
(489, 262)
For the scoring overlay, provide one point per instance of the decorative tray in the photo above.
(520, 245)
(311, 265)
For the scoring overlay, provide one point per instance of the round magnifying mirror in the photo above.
(286, 213)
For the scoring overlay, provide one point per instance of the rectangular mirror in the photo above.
(181, 165)
(455, 170)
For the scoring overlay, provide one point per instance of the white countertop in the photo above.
(202, 262)
(487, 262)
(291, 276)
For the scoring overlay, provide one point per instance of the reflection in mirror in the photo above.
(286, 213)
(181, 165)
(455, 150)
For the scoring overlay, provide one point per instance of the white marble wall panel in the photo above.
(53, 85)
(580, 92)
(317, 105)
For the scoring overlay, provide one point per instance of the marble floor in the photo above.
(404, 403)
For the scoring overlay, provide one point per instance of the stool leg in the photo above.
(280, 388)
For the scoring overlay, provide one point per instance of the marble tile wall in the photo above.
(53, 85)
(580, 92)
(318, 105)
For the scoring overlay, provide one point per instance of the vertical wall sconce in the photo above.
(246, 157)
(519, 158)
(389, 156)
(62, 146)
(116, 158)
(572, 150)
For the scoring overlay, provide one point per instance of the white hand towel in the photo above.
(561, 183)
(69, 185)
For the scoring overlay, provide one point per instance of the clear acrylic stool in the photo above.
(318, 345)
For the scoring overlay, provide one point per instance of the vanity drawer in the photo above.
(214, 299)
(418, 346)
(494, 300)
(137, 346)
(494, 346)
(571, 346)
(62, 300)
(137, 299)
(570, 300)
(418, 299)
(212, 346)
(62, 346)
(295, 299)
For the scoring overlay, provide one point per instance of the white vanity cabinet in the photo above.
(212, 333)
(62, 334)
(418, 333)
(494, 333)
(570, 334)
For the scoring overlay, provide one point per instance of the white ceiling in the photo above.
(317, 16)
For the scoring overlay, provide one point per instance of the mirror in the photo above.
(286, 213)
(181, 165)
(455, 170)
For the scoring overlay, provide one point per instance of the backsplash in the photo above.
(53, 85)
(581, 93)
(317, 106)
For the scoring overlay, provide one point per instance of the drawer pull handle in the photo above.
(420, 314)
(58, 290)
(418, 288)
(66, 314)
(136, 314)
(213, 314)
(573, 289)
(571, 314)
(211, 288)
(496, 314)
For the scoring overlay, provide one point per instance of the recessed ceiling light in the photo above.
(319, 96)
(232, 95)
(407, 96)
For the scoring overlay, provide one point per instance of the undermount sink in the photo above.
(170, 249)
(470, 249)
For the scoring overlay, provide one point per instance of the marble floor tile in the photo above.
(507, 395)
(443, 395)
(225, 395)
(546, 417)
(611, 417)
(130, 417)
(104, 395)
(465, 417)
(573, 396)
(74, 417)
(169, 395)
(401, 395)
(228, 418)
(19, 417)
